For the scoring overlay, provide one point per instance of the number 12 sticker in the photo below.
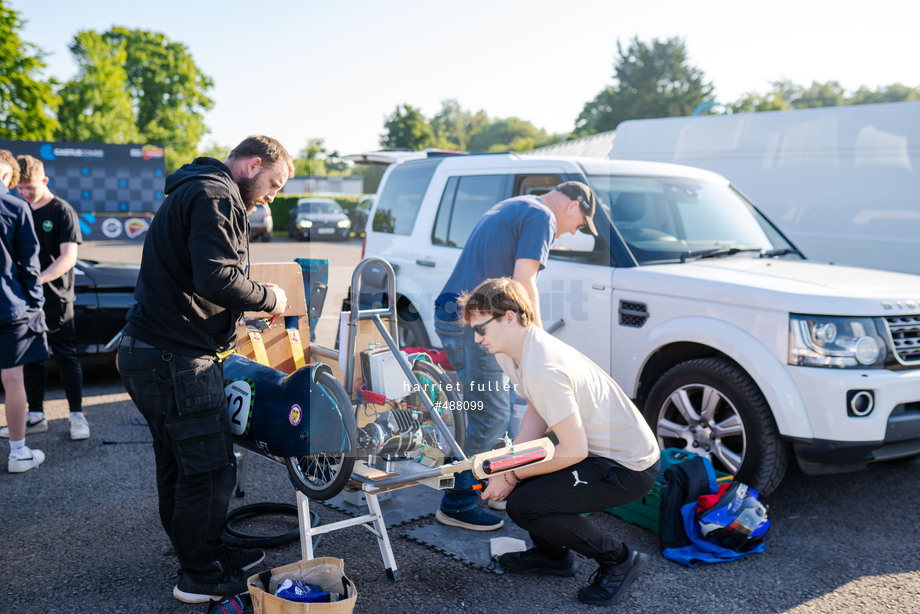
(239, 405)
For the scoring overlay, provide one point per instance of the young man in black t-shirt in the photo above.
(58, 231)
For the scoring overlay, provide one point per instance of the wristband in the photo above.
(509, 482)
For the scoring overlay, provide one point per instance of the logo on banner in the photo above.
(111, 227)
(135, 227)
(46, 151)
(149, 152)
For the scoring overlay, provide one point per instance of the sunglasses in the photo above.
(480, 329)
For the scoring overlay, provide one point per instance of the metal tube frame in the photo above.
(390, 337)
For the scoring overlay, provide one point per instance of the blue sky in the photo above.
(335, 69)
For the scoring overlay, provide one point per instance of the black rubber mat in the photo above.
(470, 547)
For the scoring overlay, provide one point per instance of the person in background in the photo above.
(22, 323)
(191, 291)
(511, 240)
(607, 455)
(58, 231)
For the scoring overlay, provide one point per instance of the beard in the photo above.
(249, 191)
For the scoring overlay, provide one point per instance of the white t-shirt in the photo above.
(558, 380)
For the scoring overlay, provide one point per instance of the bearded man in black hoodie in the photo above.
(191, 291)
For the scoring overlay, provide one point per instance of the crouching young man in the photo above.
(606, 455)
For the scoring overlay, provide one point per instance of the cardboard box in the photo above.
(326, 572)
(276, 343)
(288, 275)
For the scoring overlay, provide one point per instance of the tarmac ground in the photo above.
(81, 534)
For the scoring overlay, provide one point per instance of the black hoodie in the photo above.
(193, 285)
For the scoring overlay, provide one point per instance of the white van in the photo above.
(730, 342)
(842, 182)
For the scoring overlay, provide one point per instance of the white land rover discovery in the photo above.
(732, 344)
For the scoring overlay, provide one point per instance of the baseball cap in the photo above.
(584, 196)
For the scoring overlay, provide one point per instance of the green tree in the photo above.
(829, 94)
(371, 175)
(96, 106)
(752, 101)
(787, 95)
(895, 92)
(407, 128)
(216, 151)
(168, 91)
(511, 134)
(337, 165)
(452, 125)
(650, 80)
(27, 104)
(314, 159)
(311, 160)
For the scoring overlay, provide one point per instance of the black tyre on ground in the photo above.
(710, 406)
(323, 476)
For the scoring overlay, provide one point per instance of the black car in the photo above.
(104, 294)
(318, 217)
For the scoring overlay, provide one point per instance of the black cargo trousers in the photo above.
(182, 399)
(549, 506)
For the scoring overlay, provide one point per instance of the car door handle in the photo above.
(555, 326)
(428, 263)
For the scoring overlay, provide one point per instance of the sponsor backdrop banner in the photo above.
(100, 180)
(114, 226)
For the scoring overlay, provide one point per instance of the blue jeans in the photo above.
(484, 385)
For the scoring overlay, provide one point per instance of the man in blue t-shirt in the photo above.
(511, 240)
(58, 231)
(22, 323)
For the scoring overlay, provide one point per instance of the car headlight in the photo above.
(304, 224)
(343, 223)
(837, 342)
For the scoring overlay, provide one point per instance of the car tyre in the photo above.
(411, 329)
(710, 406)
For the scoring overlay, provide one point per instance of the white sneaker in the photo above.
(25, 460)
(79, 428)
(35, 423)
(498, 505)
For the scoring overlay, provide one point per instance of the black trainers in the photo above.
(244, 558)
(234, 604)
(532, 561)
(610, 582)
(189, 590)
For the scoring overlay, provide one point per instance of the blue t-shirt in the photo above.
(520, 227)
(20, 271)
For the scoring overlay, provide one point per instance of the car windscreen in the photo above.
(665, 219)
(319, 206)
